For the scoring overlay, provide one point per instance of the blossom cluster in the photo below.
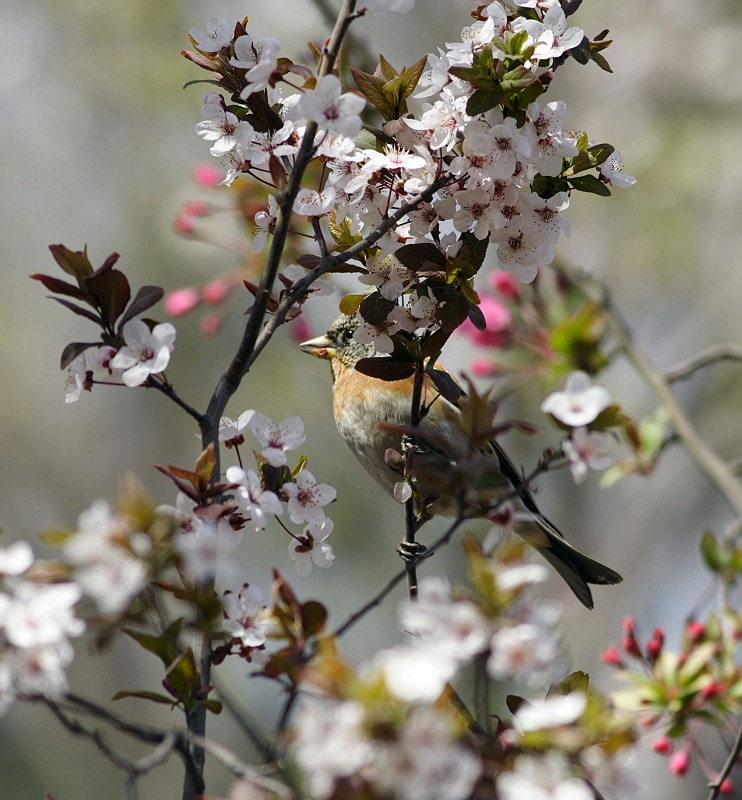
(497, 162)
(36, 624)
(679, 693)
(386, 728)
(208, 545)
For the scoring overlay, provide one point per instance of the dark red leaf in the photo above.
(145, 298)
(72, 351)
(83, 312)
(387, 369)
(61, 287)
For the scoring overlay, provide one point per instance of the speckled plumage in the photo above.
(361, 403)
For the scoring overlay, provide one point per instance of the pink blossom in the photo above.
(181, 301)
(207, 175)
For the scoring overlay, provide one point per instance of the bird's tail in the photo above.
(577, 569)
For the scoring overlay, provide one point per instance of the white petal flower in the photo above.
(16, 558)
(277, 440)
(306, 498)
(217, 36)
(586, 450)
(550, 712)
(312, 547)
(145, 352)
(546, 777)
(415, 673)
(331, 108)
(314, 204)
(579, 404)
(247, 617)
(251, 498)
(41, 615)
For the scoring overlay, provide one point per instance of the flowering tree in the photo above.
(442, 186)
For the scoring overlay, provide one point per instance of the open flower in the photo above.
(277, 440)
(579, 404)
(586, 450)
(251, 498)
(331, 108)
(145, 352)
(247, 619)
(306, 498)
(312, 547)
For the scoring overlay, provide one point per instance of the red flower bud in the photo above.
(663, 745)
(726, 787)
(612, 656)
(695, 630)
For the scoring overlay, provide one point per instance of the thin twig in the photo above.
(707, 460)
(713, 355)
(715, 787)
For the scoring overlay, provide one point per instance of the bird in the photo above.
(372, 414)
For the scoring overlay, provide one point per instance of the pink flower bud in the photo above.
(183, 223)
(194, 208)
(210, 324)
(679, 763)
(207, 175)
(505, 283)
(612, 656)
(726, 787)
(181, 301)
(482, 367)
(663, 745)
(628, 626)
(215, 292)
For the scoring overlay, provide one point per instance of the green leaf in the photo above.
(372, 88)
(183, 675)
(590, 184)
(350, 303)
(517, 78)
(483, 100)
(711, 553)
(144, 695)
(387, 70)
(577, 681)
(163, 646)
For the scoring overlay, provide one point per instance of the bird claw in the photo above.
(412, 551)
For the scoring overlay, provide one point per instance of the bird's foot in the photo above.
(412, 551)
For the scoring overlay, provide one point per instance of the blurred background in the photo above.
(97, 146)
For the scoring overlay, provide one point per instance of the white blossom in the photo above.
(145, 352)
(579, 404)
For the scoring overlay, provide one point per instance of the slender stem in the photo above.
(715, 787)
(719, 352)
(411, 523)
(717, 470)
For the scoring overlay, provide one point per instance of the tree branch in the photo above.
(714, 354)
(707, 460)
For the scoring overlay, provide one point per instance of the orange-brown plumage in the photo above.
(361, 404)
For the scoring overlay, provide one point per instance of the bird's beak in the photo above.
(321, 347)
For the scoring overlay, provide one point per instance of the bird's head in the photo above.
(339, 343)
